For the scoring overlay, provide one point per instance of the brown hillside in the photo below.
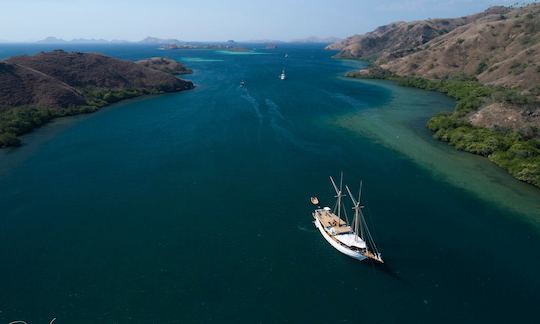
(33, 88)
(164, 64)
(402, 38)
(83, 70)
(21, 86)
(497, 49)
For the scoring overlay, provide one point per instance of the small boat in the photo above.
(242, 83)
(353, 239)
(286, 55)
(282, 76)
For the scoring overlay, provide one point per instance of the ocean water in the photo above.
(194, 207)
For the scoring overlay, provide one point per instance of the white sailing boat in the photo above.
(282, 76)
(353, 239)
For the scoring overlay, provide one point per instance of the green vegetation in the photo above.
(21, 120)
(516, 152)
(17, 121)
(99, 97)
(481, 67)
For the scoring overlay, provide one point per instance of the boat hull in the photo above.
(343, 249)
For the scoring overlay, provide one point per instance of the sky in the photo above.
(216, 20)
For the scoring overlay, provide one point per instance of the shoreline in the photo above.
(41, 87)
(399, 125)
(454, 129)
(48, 115)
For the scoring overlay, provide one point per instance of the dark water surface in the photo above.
(194, 207)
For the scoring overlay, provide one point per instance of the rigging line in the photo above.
(370, 237)
(346, 217)
(370, 221)
(368, 232)
(373, 237)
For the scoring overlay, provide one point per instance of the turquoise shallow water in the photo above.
(194, 207)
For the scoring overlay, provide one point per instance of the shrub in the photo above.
(9, 139)
(516, 152)
(482, 66)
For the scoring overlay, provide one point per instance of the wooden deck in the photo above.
(329, 219)
(339, 226)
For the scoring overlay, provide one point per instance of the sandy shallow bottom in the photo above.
(399, 125)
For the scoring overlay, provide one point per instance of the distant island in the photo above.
(155, 40)
(146, 41)
(36, 89)
(489, 62)
(228, 46)
(316, 40)
(174, 43)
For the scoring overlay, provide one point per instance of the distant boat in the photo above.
(286, 55)
(242, 83)
(353, 239)
(282, 76)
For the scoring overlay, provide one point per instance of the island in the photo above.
(36, 89)
(230, 45)
(489, 62)
(166, 65)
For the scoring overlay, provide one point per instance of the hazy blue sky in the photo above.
(27, 20)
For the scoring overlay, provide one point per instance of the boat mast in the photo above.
(339, 193)
(358, 228)
(360, 217)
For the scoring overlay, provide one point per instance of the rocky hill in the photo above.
(35, 89)
(21, 86)
(166, 65)
(497, 49)
(82, 70)
(402, 38)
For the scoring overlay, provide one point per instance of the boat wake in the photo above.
(392, 273)
(255, 105)
(256, 109)
(273, 110)
(277, 120)
(302, 228)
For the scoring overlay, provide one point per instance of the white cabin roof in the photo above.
(351, 239)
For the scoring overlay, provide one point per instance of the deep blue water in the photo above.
(194, 208)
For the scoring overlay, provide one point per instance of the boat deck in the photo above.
(329, 219)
